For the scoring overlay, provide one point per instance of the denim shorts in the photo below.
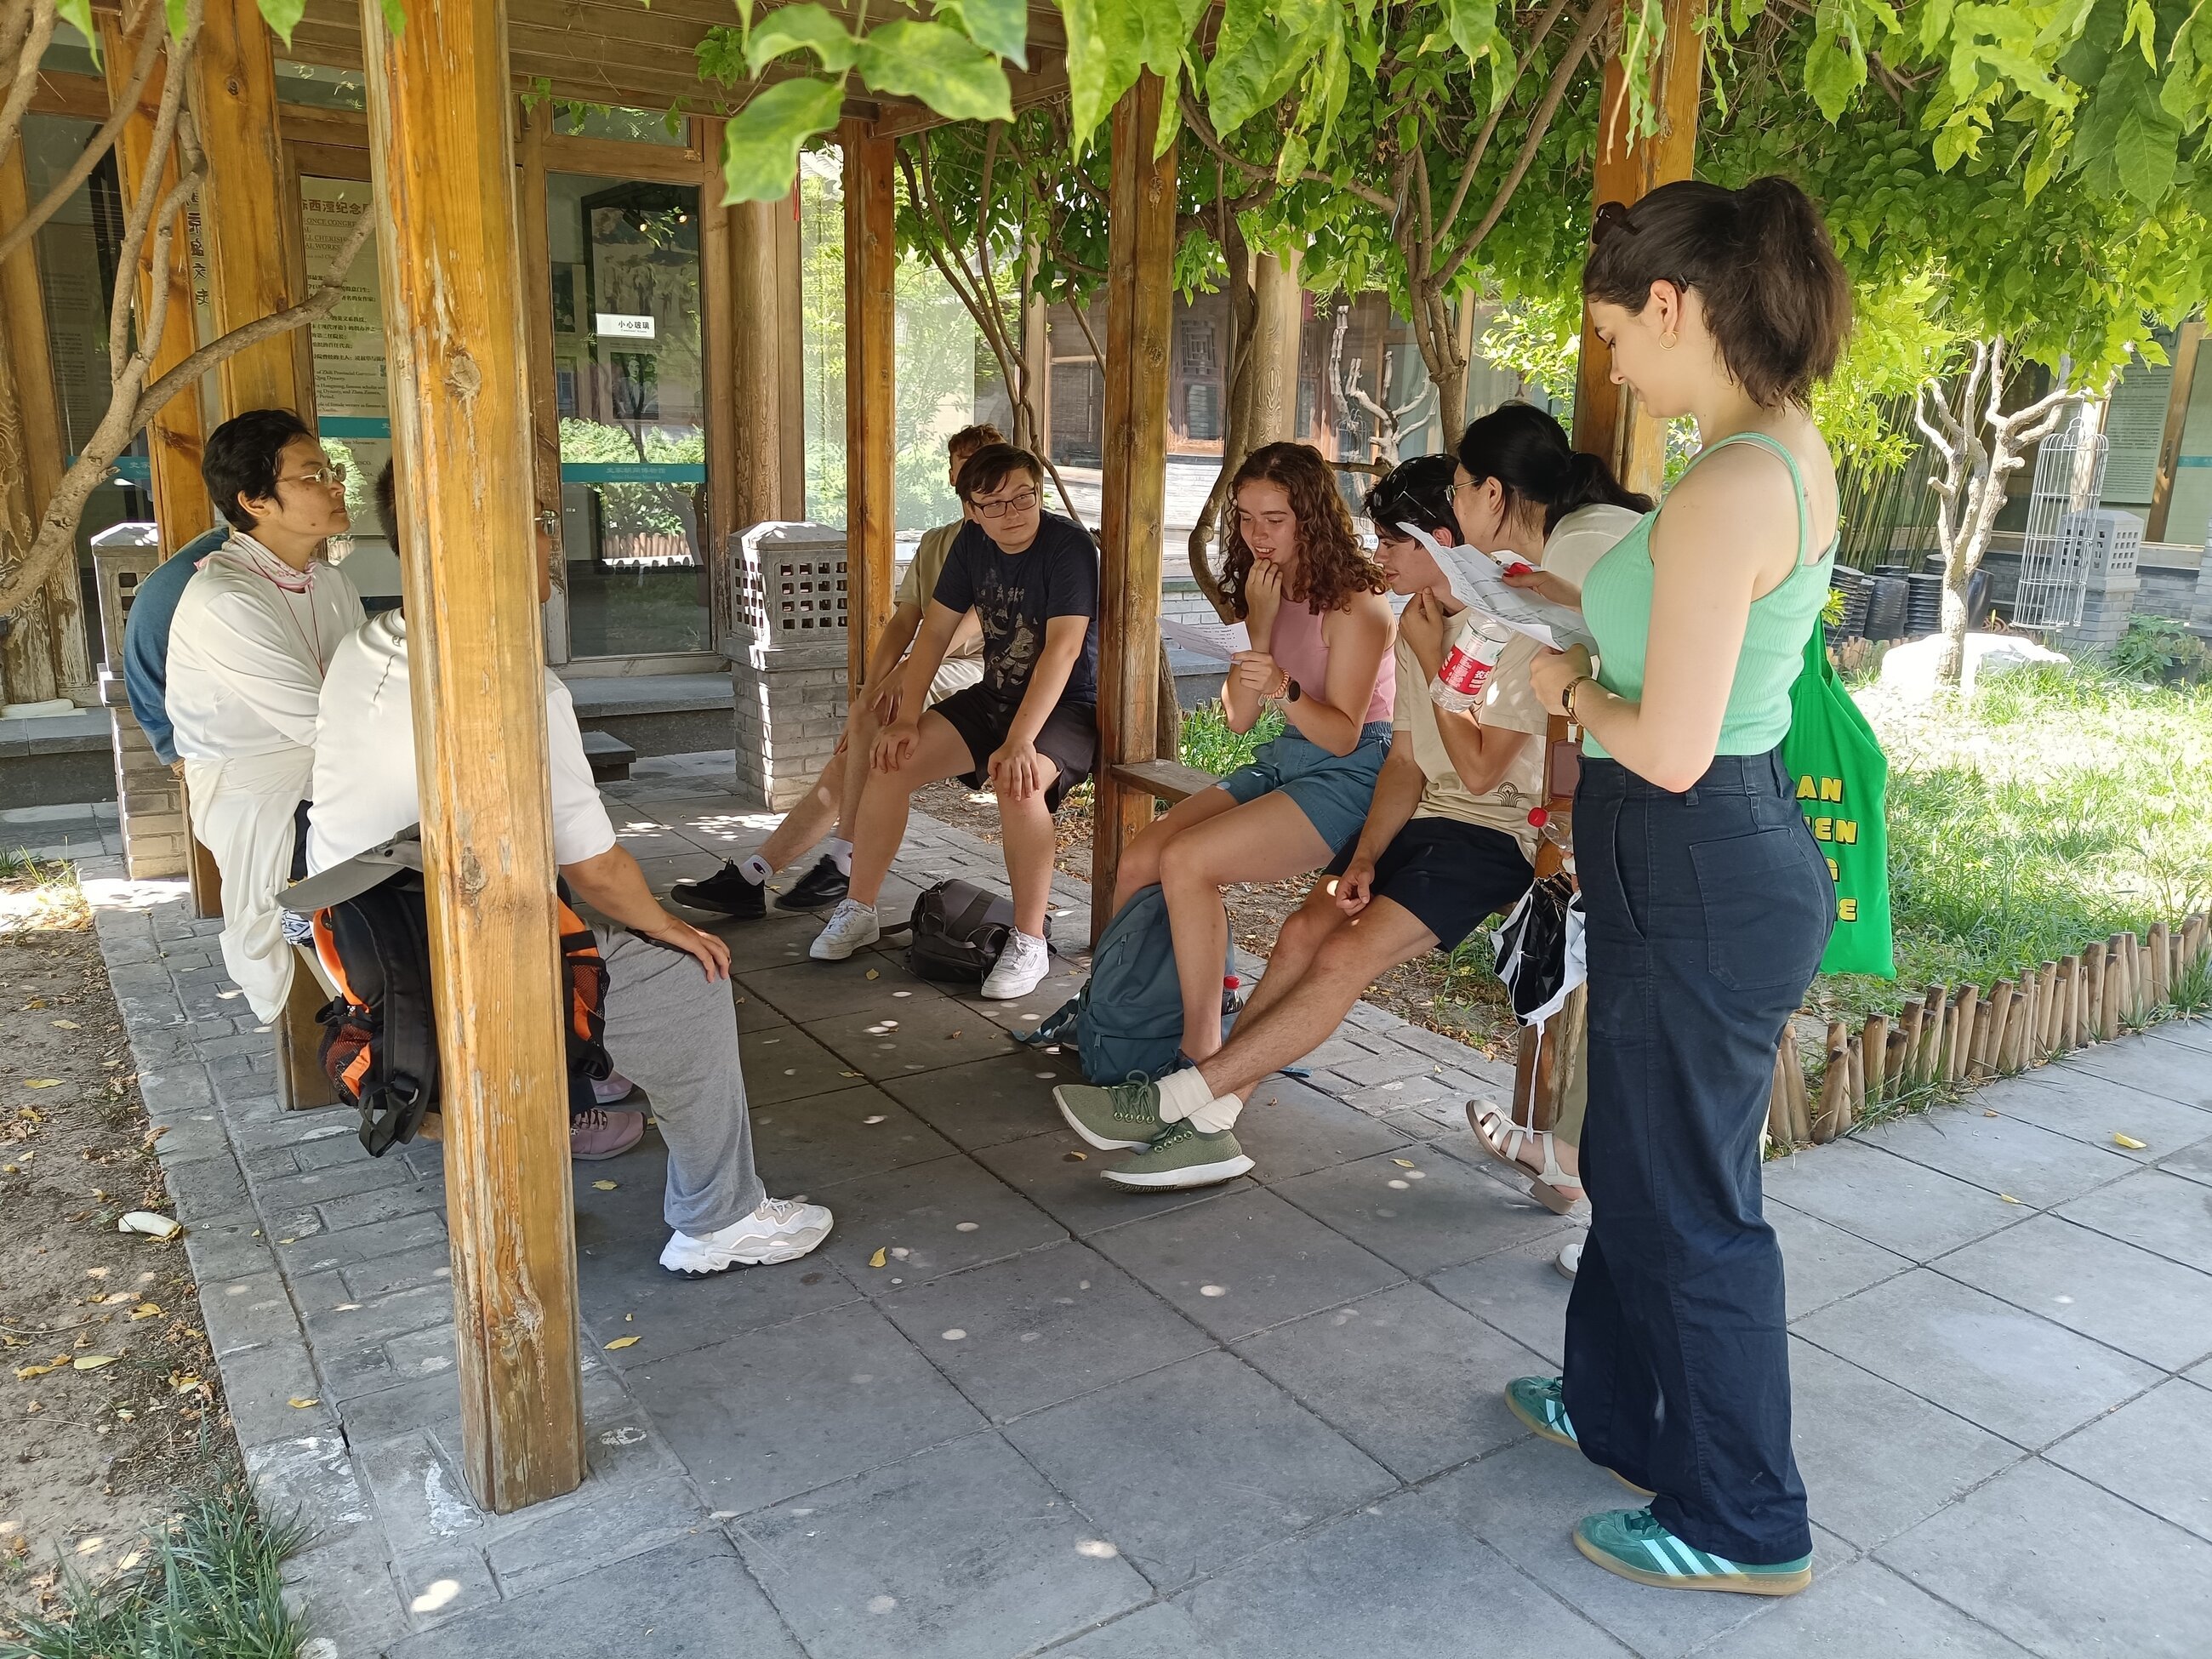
(1333, 791)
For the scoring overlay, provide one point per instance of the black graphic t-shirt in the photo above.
(1014, 594)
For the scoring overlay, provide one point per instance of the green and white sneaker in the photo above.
(1120, 1118)
(1184, 1155)
(1541, 1402)
(1633, 1544)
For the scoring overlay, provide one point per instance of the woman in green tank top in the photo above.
(1707, 903)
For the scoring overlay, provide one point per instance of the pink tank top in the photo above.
(1297, 645)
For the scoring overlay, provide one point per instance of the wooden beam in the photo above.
(870, 334)
(84, 97)
(250, 211)
(438, 103)
(178, 428)
(530, 217)
(2176, 418)
(720, 323)
(1164, 779)
(1607, 422)
(1132, 509)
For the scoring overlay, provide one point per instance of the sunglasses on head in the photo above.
(1609, 217)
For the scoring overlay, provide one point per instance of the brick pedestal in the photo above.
(785, 638)
(2112, 548)
(150, 799)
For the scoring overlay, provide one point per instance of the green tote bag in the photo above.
(1842, 778)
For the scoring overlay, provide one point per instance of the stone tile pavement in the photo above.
(1262, 1421)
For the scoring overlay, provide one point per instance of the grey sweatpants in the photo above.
(673, 1032)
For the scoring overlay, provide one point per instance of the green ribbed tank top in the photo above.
(1617, 605)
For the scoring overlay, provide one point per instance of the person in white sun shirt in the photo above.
(672, 1024)
(253, 635)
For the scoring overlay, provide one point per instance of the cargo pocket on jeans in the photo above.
(1767, 917)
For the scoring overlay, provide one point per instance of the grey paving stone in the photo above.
(2194, 1162)
(2140, 1303)
(802, 1145)
(1161, 1631)
(1192, 1468)
(259, 1385)
(793, 1406)
(940, 1032)
(2088, 1108)
(1074, 1191)
(1415, 1383)
(316, 1248)
(408, 1270)
(1040, 1327)
(811, 990)
(2162, 1212)
(447, 1581)
(2003, 1154)
(1435, 1215)
(1876, 1459)
(1291, 1128)
(348, 1581)
(2150, 1067)
(776, 941)
(1902, 1207)
(989, 1102)
(342, 1321)
(2154, 1452)
(1066, 979)
(1822, 1263)
(207, 1189)
(2194, 1032)
(1401, 1581)
(755, 1014)
(786, 1064)
(1245, 1262)
(1524, 1501)
(599, 1526)
(961, 1552)
(920, 1209)
(1520, 1292)
(430, 1405)
(229, 1249)
(385, 1204)
(691, 1599)
(1860, 1610)
(2014, 1374)
(247, 1313)
(2064, 1568)
(421, 1498)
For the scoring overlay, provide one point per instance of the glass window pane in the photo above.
(321, 86)
(353, 413)
(627, 382)
(638, 126)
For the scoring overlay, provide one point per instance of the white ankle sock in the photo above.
(755, 870)
(1186, 1094)
(840, 854)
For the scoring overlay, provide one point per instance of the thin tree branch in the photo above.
(1544, 26)
(35, 40)
(176, 72)
(125, 105)
(1194, 116)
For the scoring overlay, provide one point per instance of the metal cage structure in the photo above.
(2064, 540)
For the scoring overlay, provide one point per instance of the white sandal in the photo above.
(1502, 1138)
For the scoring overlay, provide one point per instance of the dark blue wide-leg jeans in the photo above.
(1706, 915)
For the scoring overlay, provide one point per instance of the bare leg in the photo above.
(1263, 840)
(1304, 930)
(1348, 962)
(881, 824)
(1026, 830)
(1140, 860)
(811, 816)
(861, 727)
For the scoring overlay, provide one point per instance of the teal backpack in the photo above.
(1126, 1021)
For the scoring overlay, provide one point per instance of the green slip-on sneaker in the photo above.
(1632, 1543)
(1120, 1118)
(1182, 1156)
(1541, 1402)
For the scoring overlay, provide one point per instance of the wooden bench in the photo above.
(610, 756)
(1167, 780)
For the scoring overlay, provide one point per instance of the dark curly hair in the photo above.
(1331, 564)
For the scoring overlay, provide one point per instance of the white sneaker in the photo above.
(782, 1230)
(853, 926)
(1025, 960)
(1570, 1258)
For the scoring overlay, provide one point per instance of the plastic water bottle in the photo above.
(1467, 666)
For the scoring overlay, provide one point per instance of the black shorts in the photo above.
(1449, 876)
(1069, 739)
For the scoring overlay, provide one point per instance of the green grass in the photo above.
(2060, 806)
(211, 1587)
(1209, 745)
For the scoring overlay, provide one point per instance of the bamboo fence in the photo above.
(1949, 1041)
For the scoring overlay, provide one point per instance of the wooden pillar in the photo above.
(534, 125)
(752, 279)
(871, 331)
(444, 168)
(1036, 369)
(1607, 422)
(250, 216)
(1279, 317)
(2192, 335)
(178, 428)
(1132, 509)
(791, 361)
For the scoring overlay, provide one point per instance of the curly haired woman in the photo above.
(1319, 626)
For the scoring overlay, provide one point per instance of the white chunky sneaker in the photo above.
(1025, 960)
(782, 1230)
(853, 926)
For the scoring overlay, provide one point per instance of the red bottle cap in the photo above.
(1518, 569)
(1229, 982)
(1539, 817)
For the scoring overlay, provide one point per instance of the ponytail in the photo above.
(1526, 451)
(1775, 296)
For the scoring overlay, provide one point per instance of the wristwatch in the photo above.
(1291, 692)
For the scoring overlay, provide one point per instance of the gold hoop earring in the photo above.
(1669, 340)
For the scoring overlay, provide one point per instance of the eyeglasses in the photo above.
(329, 477)
(1019, 503)
(1466, 483)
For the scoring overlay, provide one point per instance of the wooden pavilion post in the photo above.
(534, 126)
(1609, 423)
(1139, 261)
(249, 210)
(870, 332)
(439, 99)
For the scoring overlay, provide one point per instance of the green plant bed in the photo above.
(1209, 745)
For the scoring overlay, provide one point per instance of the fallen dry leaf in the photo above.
(301, 1404)
(2008, 1198)
(849, 1074)
(622, 1342)
(92, 1362)
(42, 1083)
(1075, 1157)
(874, 974)
(1403, 1163)
(146, 1310)
(66, 1025)
(2128, 1141)
(603, 1186)
(25, 1373)
(877, 1260)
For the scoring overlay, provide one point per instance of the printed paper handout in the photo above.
(1219, 641)
(1477, 580)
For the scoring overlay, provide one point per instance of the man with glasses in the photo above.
(251, 639)
(1030, 727)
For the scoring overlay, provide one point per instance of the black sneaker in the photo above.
(820, 887)
(726, 890)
